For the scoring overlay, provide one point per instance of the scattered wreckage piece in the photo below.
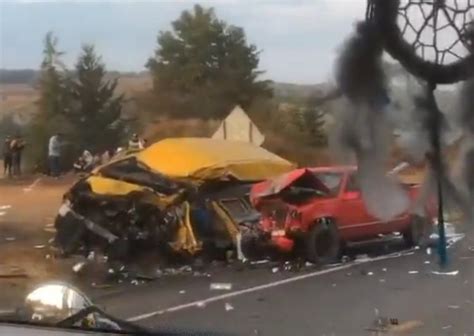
(180, 197)
(11, 271)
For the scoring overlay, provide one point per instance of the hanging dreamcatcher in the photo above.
(434, 41)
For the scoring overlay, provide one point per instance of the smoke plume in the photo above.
(364, 128)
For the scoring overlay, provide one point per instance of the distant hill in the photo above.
(19, 76)
(18, 94)
(141, 80)
(298, 90)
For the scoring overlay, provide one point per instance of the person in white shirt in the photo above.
(135, 143)
(54, 154)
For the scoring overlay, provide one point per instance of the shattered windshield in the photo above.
(237, 167)
(331, 180)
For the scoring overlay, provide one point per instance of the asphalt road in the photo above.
(338, 300)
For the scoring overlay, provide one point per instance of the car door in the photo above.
(355, 220)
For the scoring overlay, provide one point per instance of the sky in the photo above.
(298, 39)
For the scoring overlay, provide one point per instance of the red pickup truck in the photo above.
(320, 209)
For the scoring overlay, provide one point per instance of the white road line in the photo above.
(200, 303)
(5, 207)
(32, 185)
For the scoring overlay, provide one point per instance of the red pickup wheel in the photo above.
(323, 243)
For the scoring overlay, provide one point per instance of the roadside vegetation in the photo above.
(200, 69)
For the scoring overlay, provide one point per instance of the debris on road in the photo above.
(40, 246)
(201, 304)
(3, 213)
(186, 269)
(202, 274)
(275, 269)
(228, 307)
(182, 292)
(10, 271)
(259, 262)
(49, 228)
(370, 273)
(427, 262)
(220, 286)
(362, 258)
(78, 266)
(428, 250)
(452, 237)
(453, 307)
(447, 327)
(382, 324)
(10, 238)
(91, 255)
(381, 280)
(144, 277)
(5, 207)
(101, 285)
(446, 273)
(413, 272)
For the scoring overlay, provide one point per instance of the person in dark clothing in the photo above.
(17, 145)
(7, 157)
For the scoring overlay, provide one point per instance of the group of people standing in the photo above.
(86, 161)
(13, 149)
(12, 154)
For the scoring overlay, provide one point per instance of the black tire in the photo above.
(417, 233)
(323, 244)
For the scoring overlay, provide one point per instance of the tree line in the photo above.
(201, 68)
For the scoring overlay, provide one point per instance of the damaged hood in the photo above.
(209, 159)
(275, 186)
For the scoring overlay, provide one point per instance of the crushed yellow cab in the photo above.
(179, 194)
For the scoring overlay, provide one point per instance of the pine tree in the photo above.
(52, 104)
(96, 109)
(203, 66)
(310, 120)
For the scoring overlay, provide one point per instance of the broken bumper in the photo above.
(279, 240)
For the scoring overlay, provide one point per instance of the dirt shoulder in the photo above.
(27, 210)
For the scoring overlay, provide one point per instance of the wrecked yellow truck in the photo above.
(181, 195)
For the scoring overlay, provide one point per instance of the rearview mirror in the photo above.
(54, 302)
(351, 195)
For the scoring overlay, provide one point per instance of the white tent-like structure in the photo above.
(238, 126)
